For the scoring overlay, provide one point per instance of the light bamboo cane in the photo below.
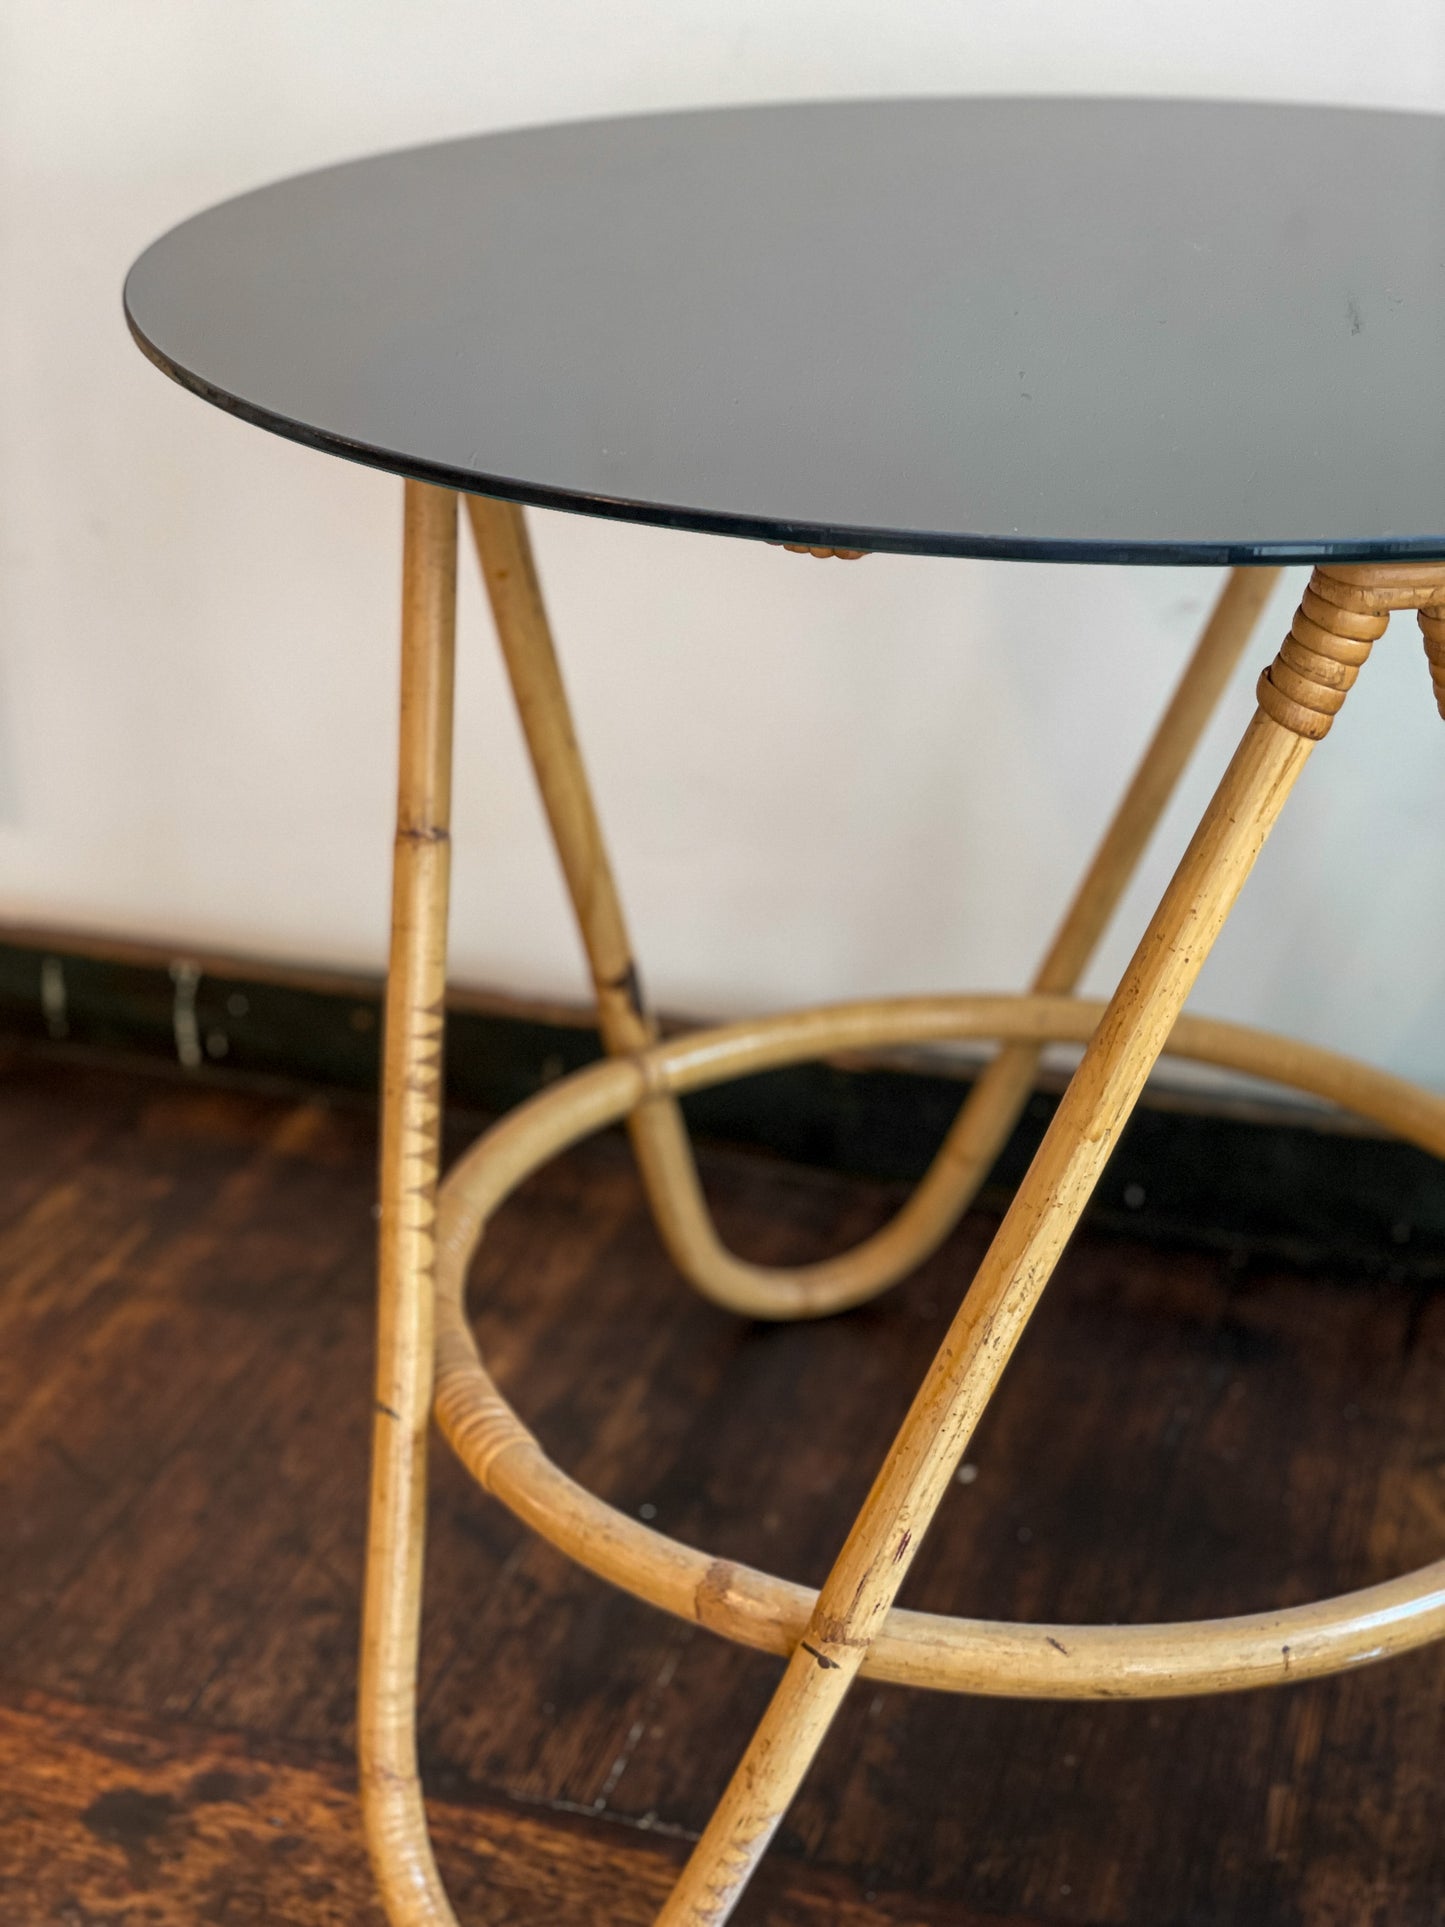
(658, 1132)
(851, 1625)
(1003, 1088)
(1298, 696)
(761, 1610)
(411, 1114)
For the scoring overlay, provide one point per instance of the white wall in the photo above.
(819, 780)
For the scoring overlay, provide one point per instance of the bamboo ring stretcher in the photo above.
(760, 1610)
(627, 318)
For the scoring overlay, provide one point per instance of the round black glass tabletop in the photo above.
(1091, 330)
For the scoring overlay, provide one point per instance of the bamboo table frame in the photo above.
(1050, 330)
(429, 1230)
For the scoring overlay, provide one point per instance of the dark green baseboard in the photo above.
(1259, 1188)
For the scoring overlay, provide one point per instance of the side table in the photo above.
(1144, 333)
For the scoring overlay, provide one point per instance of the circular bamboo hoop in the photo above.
(757, 1609)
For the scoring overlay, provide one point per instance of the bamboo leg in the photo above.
(658, 1132)
(1297, 697)
(505, 553)
(996, 1102)
(411, 1111)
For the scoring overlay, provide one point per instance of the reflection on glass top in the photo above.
(1099, 330)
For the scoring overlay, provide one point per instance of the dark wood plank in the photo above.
(108, 1817)
(185, 1302)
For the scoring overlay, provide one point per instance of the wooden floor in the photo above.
(185, 1302)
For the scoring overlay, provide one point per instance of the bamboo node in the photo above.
(626, 988)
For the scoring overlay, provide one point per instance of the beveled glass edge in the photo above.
(875, 541)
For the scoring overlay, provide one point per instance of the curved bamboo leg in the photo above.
(411, 1111)
(659, 1134)
(1297, 698)
(1003, 1088)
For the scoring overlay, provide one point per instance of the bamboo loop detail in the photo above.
(1305, 686)
(659, 1135)
(1432, 628)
